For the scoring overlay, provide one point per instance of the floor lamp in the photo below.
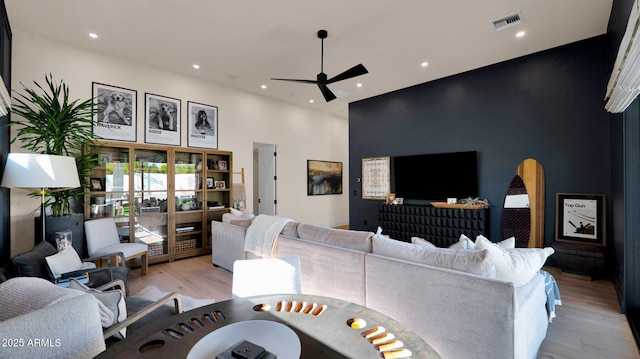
(42, 174)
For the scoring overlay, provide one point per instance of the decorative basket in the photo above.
(155, 249)
(185, 245)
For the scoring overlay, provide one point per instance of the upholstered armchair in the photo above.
(41, 320)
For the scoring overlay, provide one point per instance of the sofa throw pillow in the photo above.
(517, 267)
(67, 260)
(111, 303)
(463, 243)
(422, 242)
(236, 220)
(356, 240)
(32, 262)
(506, 244)
(474, 262)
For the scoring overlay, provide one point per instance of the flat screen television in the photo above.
(420, 179)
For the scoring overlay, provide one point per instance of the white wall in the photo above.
(244, 118)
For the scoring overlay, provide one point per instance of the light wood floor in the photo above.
(588, 323)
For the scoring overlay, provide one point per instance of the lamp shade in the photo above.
(38, 171)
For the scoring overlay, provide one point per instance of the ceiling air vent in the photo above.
(507, 21)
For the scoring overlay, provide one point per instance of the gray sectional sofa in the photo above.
(451, 300)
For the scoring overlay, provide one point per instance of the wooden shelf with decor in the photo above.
(160, 195)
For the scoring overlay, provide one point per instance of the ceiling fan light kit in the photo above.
(322, 80)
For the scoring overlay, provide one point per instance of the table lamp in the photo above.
(40, 173)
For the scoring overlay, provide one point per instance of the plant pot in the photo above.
(73, 222)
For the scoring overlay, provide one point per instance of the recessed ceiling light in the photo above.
(311, 101)
(196, 66)
(93, 35)
(263, 87)
(424, 64)
(520, 34)
(359, 84)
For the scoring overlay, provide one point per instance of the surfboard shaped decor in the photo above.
(532, 174)
(516, 215)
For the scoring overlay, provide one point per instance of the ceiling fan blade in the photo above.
(352, 72)
(297, 80)
(328, 95)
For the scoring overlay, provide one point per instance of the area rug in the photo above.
(152, 292)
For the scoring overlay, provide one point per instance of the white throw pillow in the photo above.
(463, 243)
(518, 267)
(506, 244)
(67, 260)
(111, 304)
(475, 262)
(422, 242)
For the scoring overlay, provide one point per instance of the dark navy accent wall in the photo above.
(547, 106)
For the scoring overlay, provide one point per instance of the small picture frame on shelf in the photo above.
(391, 197)
(209, 182)
(222, 165)
(220, 185)
(104, 158)
(96, 184)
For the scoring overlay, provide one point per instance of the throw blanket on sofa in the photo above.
(262, 233)
(553, 294)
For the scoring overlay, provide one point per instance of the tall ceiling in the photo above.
(242, 44)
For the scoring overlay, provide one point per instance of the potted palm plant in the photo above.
(50, 123)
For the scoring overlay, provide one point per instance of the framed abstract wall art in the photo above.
(376, 178)
(324, 177)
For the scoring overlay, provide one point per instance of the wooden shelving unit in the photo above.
(163, 196)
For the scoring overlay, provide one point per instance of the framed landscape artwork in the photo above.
(324, 177)
(580, 217)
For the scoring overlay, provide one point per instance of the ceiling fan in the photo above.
(321, 79)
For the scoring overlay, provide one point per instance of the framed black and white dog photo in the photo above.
(162, 120)
(116, 118)
(203, 125)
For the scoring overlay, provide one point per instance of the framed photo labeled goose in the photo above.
(162, 120)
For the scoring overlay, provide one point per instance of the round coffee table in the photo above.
(291, 325)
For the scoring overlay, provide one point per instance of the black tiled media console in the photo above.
(440, 226)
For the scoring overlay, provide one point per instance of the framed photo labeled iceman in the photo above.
(324, 177)
(581, 218)
(116, 118)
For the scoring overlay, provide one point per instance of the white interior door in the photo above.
(267, 203)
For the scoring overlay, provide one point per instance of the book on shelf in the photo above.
(185, 229)
(216, 207)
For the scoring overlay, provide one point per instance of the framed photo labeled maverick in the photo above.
(162, 120)
(203, 126)
(117, 110)
(581, 218)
